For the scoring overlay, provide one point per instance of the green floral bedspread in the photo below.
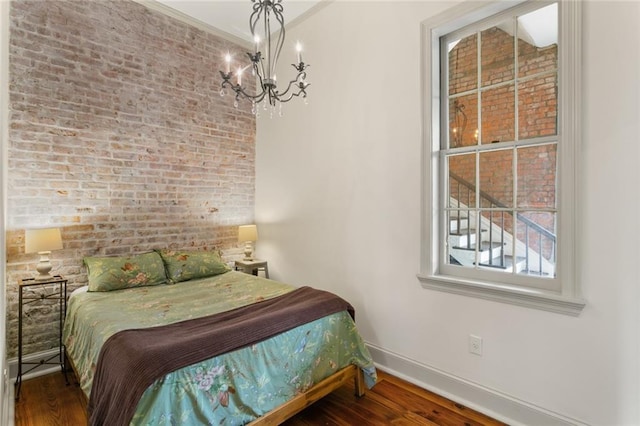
(233, 388)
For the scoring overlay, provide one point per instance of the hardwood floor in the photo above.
(47, 401)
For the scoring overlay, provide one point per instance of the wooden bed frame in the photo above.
(295, 405)
(316, 392)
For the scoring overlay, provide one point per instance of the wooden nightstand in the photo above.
(253, 266)
(54, 288)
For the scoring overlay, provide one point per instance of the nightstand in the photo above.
(54, 288)
(253, 266)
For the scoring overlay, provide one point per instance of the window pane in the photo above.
(462, 233)
(538, 41)
(498, 114)
(461, 237)
(462, 181)
(496, 179)
(463, 65)
(496, 227)
(536, 244)
(497, 54)
(538, 107)
(537, 177)
(463, 121)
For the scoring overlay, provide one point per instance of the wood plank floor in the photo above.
(47, 401)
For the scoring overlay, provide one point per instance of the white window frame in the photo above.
(563, 295)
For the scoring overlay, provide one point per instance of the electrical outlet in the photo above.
(475, 344)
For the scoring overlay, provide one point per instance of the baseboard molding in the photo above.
(495, 404)
(6, 413)
(9, 406)
(39, 370)
(500, 406)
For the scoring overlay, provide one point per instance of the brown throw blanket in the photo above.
(131, 360)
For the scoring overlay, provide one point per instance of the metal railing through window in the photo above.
(539, 243)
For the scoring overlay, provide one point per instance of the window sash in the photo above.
(470, 271)
(561, 294)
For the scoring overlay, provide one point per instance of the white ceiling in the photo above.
(232, 16)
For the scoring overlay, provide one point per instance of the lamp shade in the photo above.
(39, 240)
(247, 233)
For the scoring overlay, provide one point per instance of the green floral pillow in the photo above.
(115, 273)
(188, 265)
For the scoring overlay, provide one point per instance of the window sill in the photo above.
(529, 298)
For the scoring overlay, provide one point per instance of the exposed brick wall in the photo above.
(119, 136)
(536, 117)
(537, 97)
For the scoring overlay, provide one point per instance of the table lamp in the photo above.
(247, 234)
(42, 241)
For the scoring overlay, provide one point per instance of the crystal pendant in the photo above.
(222, 93)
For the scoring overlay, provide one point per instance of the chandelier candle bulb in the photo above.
(239, 76)
(227, 59)
(299, 50)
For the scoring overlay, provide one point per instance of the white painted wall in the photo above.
(338, 207)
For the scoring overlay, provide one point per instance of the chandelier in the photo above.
(263, 65)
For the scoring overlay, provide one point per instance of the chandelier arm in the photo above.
(292, 95)
(267, 45)
(301, 90)
(255, 16)
(277, 12)
(258, 9)
(296, 80)
(257, 64)
(239, 90)
(256, 60)
(255, 98)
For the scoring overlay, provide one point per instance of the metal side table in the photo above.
(57, 291)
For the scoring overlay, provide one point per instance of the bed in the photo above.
(178, 338)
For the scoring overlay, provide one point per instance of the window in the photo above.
(501, 137)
